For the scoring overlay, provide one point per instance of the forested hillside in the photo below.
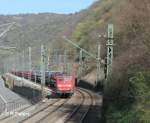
(127, 92)
(35, 29)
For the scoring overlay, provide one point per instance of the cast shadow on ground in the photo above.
(92, 87)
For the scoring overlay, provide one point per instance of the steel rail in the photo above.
(55, 110)
(51, 112)
(92, 102)
(51, 104)
(78, 108)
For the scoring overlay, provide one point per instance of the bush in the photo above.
(137, 110)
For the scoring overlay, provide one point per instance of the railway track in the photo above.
(79, 113)
(16, 119)
(72, 113)
(48, 112)
(70, 110)
(39, 116)
(67, 107)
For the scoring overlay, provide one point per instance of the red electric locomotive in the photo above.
(62, 84)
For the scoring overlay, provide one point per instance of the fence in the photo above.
(12, 106)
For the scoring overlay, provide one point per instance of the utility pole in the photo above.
(65, 62)
(98, 64)
(43, 56)
(110, 43)
(23, 66)
(30, 69)
(80, 63)
(15, 62)
(7, 66)
(18, 58)
(48, 59)
(30, 63)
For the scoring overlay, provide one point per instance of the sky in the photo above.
(41, 6)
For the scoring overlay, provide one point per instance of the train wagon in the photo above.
(62, 84)
(36, 75)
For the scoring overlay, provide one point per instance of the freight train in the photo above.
(59, 82)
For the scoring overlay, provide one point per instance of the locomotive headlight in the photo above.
(69, 85)
(59, 86)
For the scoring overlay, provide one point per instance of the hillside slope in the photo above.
(33, 29)
(128, 90)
